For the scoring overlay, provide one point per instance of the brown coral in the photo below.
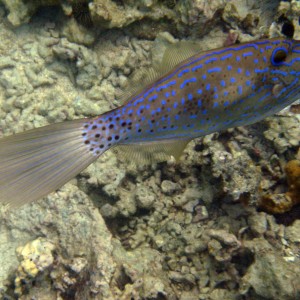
(280, 203)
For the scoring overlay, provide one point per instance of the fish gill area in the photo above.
(222, 223)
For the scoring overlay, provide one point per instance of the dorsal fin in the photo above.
(146, 153)
(173, 55)
(177, 53)
(137, 82)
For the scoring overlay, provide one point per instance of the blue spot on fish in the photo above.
(187, 81)
(136, 102)
(199, 91)
(232, 80)
(152, 98)
(226, 56)
(190, 97)
(283, 73)
(213, 70)
(226, 103)
(216, 104)
(208, 87)
(223, 83)
(147, 93)
(229, 68)
(264, 97)
(240, 90)
(261, 70)
(181, 73)
(197, 67)
(210, 60)
(247, 54)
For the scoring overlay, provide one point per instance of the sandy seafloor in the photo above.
(186, 230)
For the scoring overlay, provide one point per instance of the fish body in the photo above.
(207, 92)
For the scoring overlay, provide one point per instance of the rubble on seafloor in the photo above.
(281, 203)
(186, 230)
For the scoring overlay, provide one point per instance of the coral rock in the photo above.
(280, 203)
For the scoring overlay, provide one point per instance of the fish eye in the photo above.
(278, 56)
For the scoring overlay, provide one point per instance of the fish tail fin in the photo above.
(39, 161)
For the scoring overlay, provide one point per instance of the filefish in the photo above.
(191, 95)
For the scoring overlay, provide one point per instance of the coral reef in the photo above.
(147, 18)
(185, 230)
(35, 257)
(280, 203)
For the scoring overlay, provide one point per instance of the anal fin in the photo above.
(149, 152)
